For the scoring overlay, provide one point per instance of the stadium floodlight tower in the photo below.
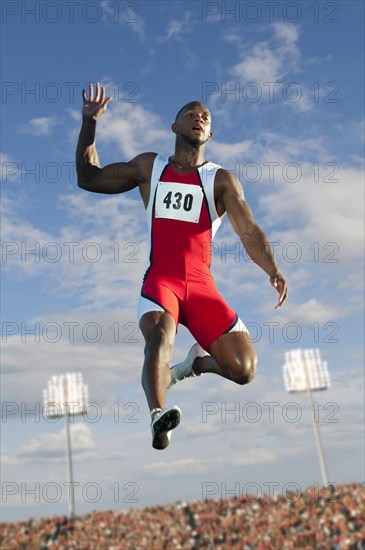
(305, 372)
(66, 396)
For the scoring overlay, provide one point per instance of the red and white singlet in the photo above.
(182, 221)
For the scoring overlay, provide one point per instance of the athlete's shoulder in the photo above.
(226, 177)
(162, 159)
(208, 172)
(144, 165)
(212, 165)
(144, 158)
(226, 182)
(216, 172)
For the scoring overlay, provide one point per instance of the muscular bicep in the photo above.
(113, 178)
(118, 177)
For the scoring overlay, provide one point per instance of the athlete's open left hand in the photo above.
(279, 283)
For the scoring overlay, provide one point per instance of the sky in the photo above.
(284, 83)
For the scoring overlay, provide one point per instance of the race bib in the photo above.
(178, 201)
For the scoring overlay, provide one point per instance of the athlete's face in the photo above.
(194, 123)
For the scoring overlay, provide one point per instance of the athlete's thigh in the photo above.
(159, 295)
(206, 314)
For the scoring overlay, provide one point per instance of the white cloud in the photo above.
(47, 445)
(6, 460)
(128, 15)
(9, 168)
(177, 467)
(262, 456)
(330, 212)
(287, 32)
(198, 430)
(41, 126)
(104, 258)
(262, 65)
(272, 151)
(266, 72)
(272, 59)
(65, 342)
(311, 311)
(227, 152)
(176, 28)
(133, 129)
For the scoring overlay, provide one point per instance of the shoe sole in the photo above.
(169, 421)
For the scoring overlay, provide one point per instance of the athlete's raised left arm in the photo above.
(230, 199)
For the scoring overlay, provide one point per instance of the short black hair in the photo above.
(187, 105)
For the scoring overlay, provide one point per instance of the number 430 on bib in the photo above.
(178, 201)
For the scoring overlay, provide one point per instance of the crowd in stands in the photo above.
(326, 520)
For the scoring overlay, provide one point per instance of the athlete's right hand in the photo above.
(96, 105)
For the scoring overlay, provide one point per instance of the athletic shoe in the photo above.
(161, 425)
(185, 369)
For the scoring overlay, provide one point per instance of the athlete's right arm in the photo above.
(113, 178)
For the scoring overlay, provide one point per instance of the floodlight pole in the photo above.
(58, 397)
(316, 430)
(71, 497)
(304, 372)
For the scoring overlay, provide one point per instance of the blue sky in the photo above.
(284, 84)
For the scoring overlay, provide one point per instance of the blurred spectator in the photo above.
(324, 521)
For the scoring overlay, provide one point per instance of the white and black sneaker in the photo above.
(185, 368)
(162, 423)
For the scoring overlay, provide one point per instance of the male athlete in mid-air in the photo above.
(185, 197)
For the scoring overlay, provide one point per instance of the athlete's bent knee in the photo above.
(247, 371)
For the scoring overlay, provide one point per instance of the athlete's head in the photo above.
(193, 123)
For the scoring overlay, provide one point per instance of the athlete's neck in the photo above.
(187, 160)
